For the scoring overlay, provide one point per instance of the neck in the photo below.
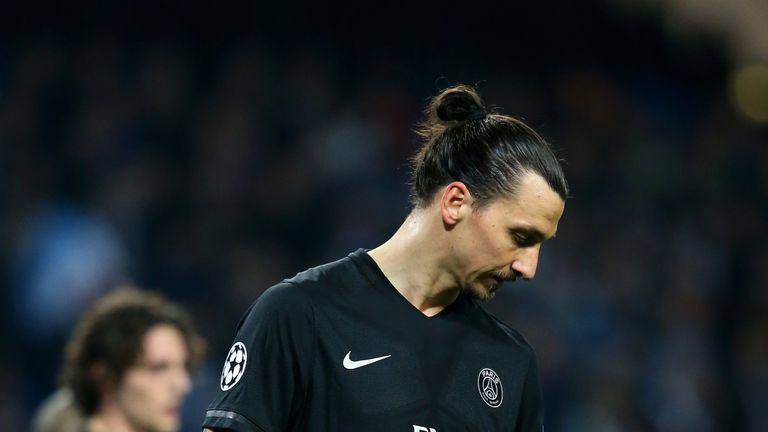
(414, 262)
(110, 418)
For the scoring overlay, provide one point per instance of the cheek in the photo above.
(490, 245)
(140, 399)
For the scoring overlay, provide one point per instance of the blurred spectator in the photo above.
(126, 367)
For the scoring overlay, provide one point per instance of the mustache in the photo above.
(506, 277)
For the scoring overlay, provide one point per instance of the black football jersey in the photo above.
(338, 348)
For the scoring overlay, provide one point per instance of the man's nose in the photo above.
(525, 264)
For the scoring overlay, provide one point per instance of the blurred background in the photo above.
(207, 152)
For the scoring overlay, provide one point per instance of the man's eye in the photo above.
(521, 239)
(156, 367)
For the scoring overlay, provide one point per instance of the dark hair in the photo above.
(488, 152)
(108, 340)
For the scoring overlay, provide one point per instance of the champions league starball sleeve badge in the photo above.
(234, 366)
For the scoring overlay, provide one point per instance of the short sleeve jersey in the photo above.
(338, 348)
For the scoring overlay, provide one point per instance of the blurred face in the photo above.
(152, 391)
(501, 241)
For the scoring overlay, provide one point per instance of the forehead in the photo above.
(163, 341)
(534, 205)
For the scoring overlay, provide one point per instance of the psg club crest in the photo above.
(489, 386)
(234, 366)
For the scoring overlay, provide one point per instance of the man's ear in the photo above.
(455, 201)
(101, 379)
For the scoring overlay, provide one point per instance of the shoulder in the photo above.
(278, 295)
(59, 413)
(324, 275)
(302, 292)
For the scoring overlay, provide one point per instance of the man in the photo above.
(126, 368)
(394, 339)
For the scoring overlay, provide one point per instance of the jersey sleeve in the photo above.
(531, 417)
(266, 373)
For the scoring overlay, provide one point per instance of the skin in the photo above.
(149, 397)
(452, 245)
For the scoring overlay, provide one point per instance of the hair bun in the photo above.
(459, 103)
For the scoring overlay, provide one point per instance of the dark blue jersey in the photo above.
(338, 348)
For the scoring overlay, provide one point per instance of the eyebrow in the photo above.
(533, 232)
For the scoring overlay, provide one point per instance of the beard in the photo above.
(484, 288)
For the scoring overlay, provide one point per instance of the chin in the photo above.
(481, 292)
(167, 426)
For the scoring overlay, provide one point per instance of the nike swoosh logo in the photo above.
(351, 364)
